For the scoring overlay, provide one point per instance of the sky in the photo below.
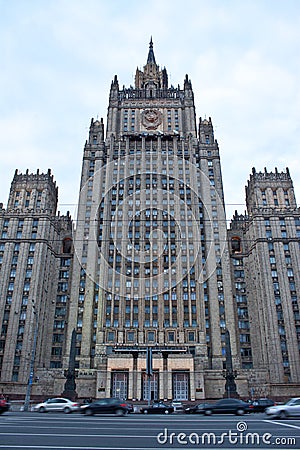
(58, 58)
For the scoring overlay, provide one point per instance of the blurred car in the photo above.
(129, 407)
(261, 404)
(227, 406)
(157, 408)
(4, 405)
(197, 409)
(107, 406)
(57, 404)
(178, 406)
(288, 409)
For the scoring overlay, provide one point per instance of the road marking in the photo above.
(50, 447)
(283, 424)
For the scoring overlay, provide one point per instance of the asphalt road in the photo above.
(52, 431)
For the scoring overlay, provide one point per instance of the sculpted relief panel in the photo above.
(151, 119)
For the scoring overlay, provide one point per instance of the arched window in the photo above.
(236, 246)
(67, 245)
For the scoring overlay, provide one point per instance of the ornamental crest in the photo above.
(151, 119)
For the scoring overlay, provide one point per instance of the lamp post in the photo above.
(70, 373)
(149, 371)
(32, 359)
(230, 386)
(229, 374)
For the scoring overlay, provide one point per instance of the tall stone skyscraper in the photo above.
(149, 264)
(153, 264)
(35, 265)
(265, 255)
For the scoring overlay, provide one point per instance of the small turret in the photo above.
(187, 83)
(96, 133)
(114, 89)
(206, 131)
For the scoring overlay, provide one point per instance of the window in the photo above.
(238, 274)
(191, 336)
(111, 336)
(171, 336)
(151, 336)
(130, 336)
(26, 286)
(236, 245)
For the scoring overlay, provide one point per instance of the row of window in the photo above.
(151, 336)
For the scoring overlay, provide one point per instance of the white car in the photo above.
(178, 406)
(57, 404)
(288, 409)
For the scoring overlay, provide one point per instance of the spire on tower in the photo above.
(151, 57)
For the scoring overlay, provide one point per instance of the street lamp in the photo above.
(230, 386)
(32, 359)
(229, 374)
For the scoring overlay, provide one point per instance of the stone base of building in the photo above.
(177, 381)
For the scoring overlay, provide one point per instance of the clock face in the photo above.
(151, 118)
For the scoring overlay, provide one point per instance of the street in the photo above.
(52, 431)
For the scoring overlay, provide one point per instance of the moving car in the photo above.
(227, 406)
(106, 406)
(57, 404)
(157, 408)
(260, 404)
(178, 406)
(4, 405)
(197, 409)
(288, 409)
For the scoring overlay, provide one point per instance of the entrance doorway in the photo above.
(180, 386)
(119, 384)
(153, 387)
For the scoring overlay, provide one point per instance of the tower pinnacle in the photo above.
(151, 57)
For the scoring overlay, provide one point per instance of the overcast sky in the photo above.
(58, 58)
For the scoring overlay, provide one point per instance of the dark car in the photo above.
(261, 404)
(105, 406)
(157, 408)
(4, 405)
(196, 409)
(227, 406)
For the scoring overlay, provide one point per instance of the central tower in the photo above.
(153, 267)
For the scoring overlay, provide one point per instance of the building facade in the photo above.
(35, 266)
(151, 264)
(265, 257)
